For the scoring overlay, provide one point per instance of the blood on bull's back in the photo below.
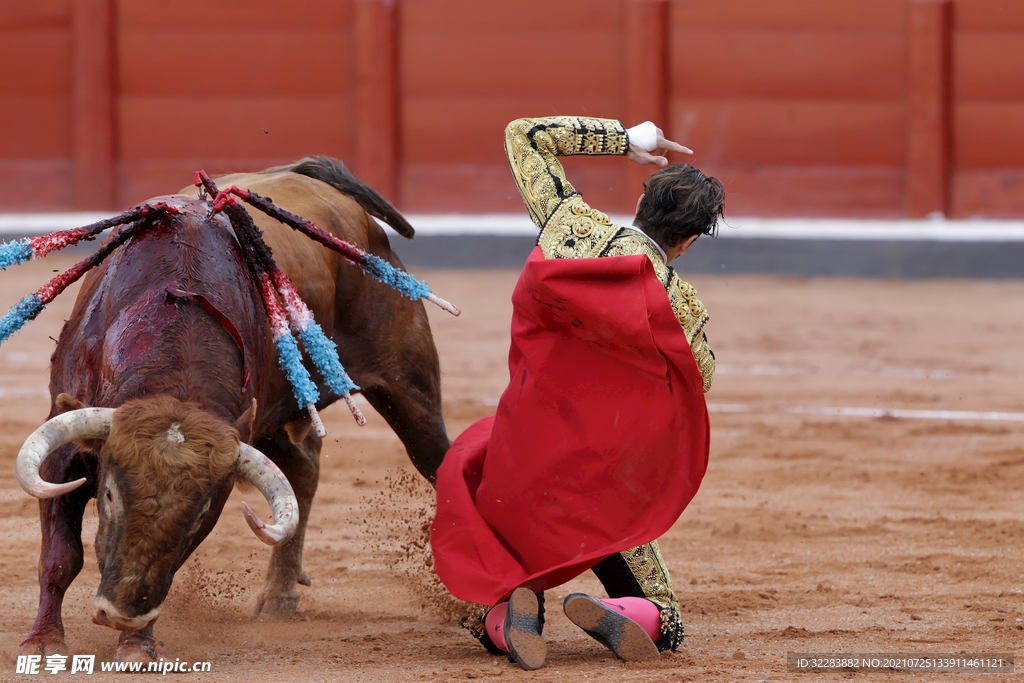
(172, 312)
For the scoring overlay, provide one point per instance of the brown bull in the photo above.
(170, 342)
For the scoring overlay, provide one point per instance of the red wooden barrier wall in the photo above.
(802, 107)
(35, 105)
(988, 108)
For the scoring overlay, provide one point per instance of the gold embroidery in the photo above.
(630, 242)
(474, 623)
(533, 145)
(649, 570)
(571, 229)
(692, 315)
(581, 227)
(671, 630)
(705, 360)
(688, 309)
(576, 231)
(616, 145)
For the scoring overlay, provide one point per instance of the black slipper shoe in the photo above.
(522, 630)
(620, 634)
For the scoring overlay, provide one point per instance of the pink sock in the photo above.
(640, 610)
(495, 623)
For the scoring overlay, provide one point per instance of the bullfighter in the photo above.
(601, 438)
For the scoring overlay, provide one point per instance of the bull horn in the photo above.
(257, 469)
(74, 425)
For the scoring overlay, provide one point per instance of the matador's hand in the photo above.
(647, 138)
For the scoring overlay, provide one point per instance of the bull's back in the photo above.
(171, 311)
(324, 280)
(375, 327)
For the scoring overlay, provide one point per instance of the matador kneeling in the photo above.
(601, 438)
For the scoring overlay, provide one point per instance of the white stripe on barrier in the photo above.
(870, 412)
(975, 230)
(40, 223)
(519, 224)
(759, 228)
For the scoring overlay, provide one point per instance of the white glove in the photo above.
(644, 136)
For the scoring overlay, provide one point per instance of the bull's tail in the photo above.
(334, 173)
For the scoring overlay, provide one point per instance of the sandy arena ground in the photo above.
(811, 533)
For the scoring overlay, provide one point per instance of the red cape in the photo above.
(599, 442)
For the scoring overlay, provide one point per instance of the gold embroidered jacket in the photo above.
(569, 228)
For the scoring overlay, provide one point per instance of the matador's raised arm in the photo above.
(570, 228)
(533, 145)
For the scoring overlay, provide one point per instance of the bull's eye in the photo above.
(110, 498)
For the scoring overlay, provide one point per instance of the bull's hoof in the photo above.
(44, 645)
(274, 607)
(132, 647)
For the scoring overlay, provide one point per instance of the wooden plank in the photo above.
(472, 129)
(435, 63)
(208, 61)
(174, 127)
(92, 94)
(36, 61)
(988, 135)
(988, 193)
(567, 16)
(604, 183)
(999, 15)
(36, 14)
(835, 132)
(376, 135)
(645, 92)
(459, 188)
(35, 184)
(769, 62)
(146, 178)
(771, 190)
(490, 188)
(988, 65)
(35, 126)
(232, 15)
(645, 62)
(812, 191)
(812, 14)
(928, 102)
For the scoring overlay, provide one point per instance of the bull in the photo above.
(165, 390)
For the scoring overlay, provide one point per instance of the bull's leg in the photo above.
(140, 646)
(61, 556)
(301, 464)
(413, 411)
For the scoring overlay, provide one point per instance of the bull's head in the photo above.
(166, 468)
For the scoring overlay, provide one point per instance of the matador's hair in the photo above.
(679, 201)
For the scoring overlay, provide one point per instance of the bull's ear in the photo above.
(66, 402)
(245, 424)
(298, 429)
